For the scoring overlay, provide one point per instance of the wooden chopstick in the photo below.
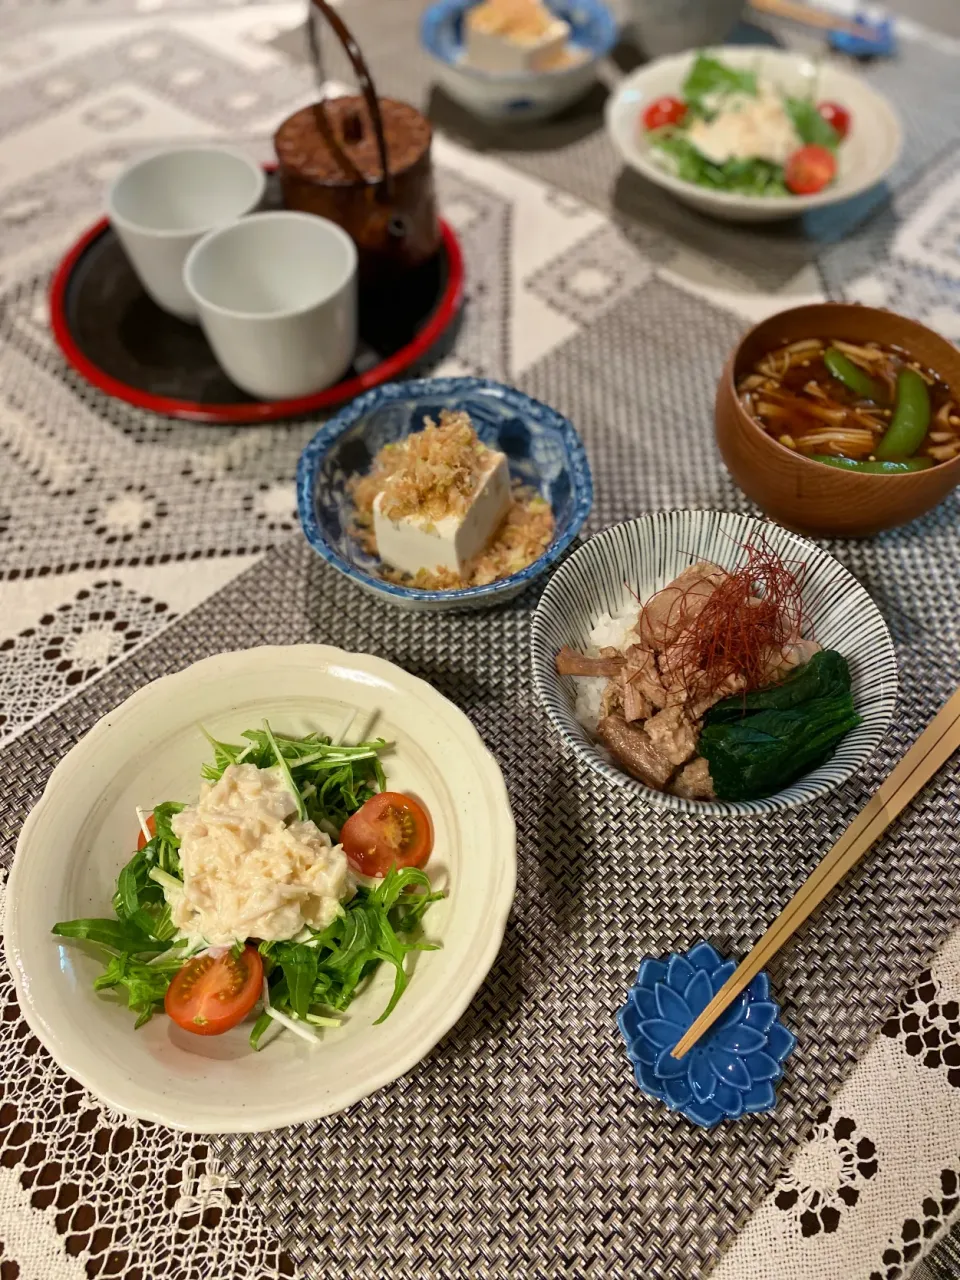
(929, 753)
(811, 17)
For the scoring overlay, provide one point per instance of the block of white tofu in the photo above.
(414, 542)
(502, 51)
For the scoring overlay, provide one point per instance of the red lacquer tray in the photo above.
(116, 338)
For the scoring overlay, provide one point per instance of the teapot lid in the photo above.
(336, 143)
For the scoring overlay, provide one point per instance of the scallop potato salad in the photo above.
(279, 891)
(734, 130)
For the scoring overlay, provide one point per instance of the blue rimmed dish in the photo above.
(631, 561)
(530, 96)
(542, 448)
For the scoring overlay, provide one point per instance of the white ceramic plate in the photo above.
(637, 558)
(864, 158)
(150, 749)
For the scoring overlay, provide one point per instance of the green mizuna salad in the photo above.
(732, 130)
(288, 882)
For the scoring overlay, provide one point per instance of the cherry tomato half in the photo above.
(836, 116)
(151, 827)
(390, 830)
(211, 994)
(664, 111)
(809, 170)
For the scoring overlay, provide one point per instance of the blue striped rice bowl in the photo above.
(641, 556)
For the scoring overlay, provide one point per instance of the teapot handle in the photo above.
(352, 50)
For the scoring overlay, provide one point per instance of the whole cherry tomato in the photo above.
(836, 116)
(664, 111)
(809, 170)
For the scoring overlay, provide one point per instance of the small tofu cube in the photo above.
(508, 54)
(414, 542)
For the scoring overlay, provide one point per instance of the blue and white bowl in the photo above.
(635, 559)
(533, 96)
(542, 448)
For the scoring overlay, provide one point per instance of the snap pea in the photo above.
(911, 418)
(881, 468)
(852, 377)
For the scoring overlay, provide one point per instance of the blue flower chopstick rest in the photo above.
(733, 1068)
(875, 40)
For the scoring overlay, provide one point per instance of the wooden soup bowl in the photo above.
(808, 496)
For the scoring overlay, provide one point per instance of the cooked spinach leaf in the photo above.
(826, 675)
(758, 743)
(764, 751)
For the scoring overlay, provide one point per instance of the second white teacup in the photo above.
(162, 205)
(276, 294)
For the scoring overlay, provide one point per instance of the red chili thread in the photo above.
(754, 613)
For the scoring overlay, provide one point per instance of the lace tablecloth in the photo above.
(118, 530)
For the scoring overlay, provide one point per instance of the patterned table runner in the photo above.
(520, 1146)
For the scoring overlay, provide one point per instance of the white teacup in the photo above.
(277, 298)
(162, 205)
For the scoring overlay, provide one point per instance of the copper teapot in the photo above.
(363, 162)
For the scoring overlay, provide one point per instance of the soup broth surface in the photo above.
(799, 401)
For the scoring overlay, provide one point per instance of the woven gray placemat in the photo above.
(944, 1262)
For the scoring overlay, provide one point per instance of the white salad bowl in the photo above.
(636, 559)
(149, 749)
(866, 155)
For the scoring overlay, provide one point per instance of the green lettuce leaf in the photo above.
(745, 177)
(709, 77)
(116, 935)
(330, 782)
(810, 124)
(377, 926)
(145, 985)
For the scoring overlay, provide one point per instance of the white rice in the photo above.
(615, 631)
(612, 631)
(589, 696)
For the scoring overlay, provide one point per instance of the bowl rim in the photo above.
(293, 1110)
(727, 384)
(882, 110)
(311, 459)
(648, 796)
(440, 9)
